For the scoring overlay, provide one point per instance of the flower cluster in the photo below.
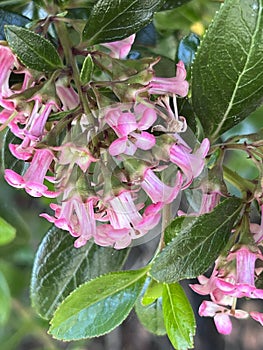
(116, 167)
(233, 277)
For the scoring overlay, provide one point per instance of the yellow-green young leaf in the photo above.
(33, 50)
(112, 20)
(59, 268)
(178, 315)
(150, 314)
(86, 70)
(5, 300)
(153, 292)
(7, 232)
(98, 306)
(228, 68)
(196, 244)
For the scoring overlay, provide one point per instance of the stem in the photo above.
(166, 218)
(71, 61)
(243, 185)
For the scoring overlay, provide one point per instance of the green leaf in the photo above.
(33, 50)
(112, 20)
(98, 306)
(151, 316)
(178, 317)
(7, 17)
(86, 70)
(7, 232)
(154, 291)
(228, 68)
(5, 300)
(197, 243)
(59, 268)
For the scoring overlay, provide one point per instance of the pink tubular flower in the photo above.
(7, 63)
(121, 48)
(123, 212)
(221, 315)
(75, 216)
(35, 126)
(177, 85)
(67, 95)
(130, 131)
(157, 190)
(191, 164)
(32, 180)
(108, 236)
(244, 285)
(257, 316)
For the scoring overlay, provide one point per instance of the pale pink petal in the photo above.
(14, 179)
(144, 140)
(148, 118)
(121, 48)
(118, 146)
(223, 323)
(257, 316)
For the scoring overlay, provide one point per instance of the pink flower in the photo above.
(221, 315)
(122, 212)
(121, 48)
(7, 62)
(157, 190)
(32, 180)
(108, 236)
(130, 131)
(67, 95)
(257, 316)
(244, 285)
(35, 126)
(177, 85)
(150, 217)
(75, 216)
(191, 164)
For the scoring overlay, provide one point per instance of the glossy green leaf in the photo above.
(7, 17)
(228, 69)
(112, 20)
(7, 232)
(5, 300)
(86, 70)
(33, 50)
(59, 268)
(178, 317)
(197, 243)
(153, 291)
(151, 316)
(98, 306)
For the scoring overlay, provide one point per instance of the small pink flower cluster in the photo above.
(109, 176)
(233, 277)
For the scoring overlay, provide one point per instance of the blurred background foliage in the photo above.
(20, 327)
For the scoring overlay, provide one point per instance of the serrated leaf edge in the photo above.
(145, 269)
